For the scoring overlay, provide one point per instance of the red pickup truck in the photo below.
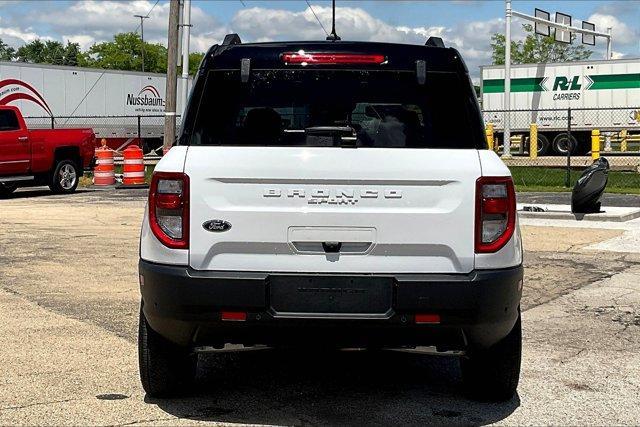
(53, 157)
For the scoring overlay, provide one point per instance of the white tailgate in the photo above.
(392, 210)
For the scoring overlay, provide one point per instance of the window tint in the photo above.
(321, 108)
(8, 120)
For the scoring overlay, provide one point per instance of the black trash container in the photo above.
(589, 187)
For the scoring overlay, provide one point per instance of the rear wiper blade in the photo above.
(343, 136)
(330, 130)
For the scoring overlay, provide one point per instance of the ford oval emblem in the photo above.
(216, 225)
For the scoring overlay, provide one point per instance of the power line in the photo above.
(317, 19)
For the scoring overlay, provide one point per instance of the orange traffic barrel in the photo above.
(133, 171)
(104, 174)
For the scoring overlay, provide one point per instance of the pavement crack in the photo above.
(29, 405)
(596, 271)
(145, 421)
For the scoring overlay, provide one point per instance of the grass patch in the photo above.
(526, 179)
(87, 179)
(552, 179)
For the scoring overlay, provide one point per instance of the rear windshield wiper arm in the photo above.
(343, 136)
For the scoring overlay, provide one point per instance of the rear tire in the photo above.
(561, 141)
(492, 374)
(7, 189)
(166, 369)
(65, 177)
(543, 144)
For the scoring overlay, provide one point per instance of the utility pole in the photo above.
(142, 18)
(172, 76)
(186, 32)
(506, 153)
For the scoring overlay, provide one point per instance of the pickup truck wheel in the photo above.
(493, 374)
(165, 368)
(7, 189)
(65, 177)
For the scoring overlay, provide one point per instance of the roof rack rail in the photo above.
(231, 39)
(434, 42)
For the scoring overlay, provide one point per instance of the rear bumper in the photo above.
(476, 309)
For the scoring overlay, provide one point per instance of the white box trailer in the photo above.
(109, 101)
(603, 95)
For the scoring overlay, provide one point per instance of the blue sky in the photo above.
(417, 13)
(465, 24)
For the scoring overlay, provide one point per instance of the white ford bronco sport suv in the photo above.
(331, 193)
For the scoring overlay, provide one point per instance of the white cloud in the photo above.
(617, 55)
(95, 21)
(472, 39)
(83, 40)
(90, 21)
(621, 32)
(279, 24)
(98, 17)
(15, 36)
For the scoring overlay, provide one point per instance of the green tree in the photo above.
(32, 52)
(72, 54)
(49, 52)
(194, 62)
(125, 53)
(536, 48)
(7, 53)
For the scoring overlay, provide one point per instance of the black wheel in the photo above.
(65, 177)
(7, 189)
(166, 369)
(543, 144)
(562, 141)
(492, 374)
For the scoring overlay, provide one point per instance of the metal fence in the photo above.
(550, 147)
(565, 141)
(147, 131)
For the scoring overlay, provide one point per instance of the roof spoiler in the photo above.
(432, 41)
(231, 39)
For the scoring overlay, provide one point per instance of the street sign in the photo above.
(540, 28)
(563, 36)
(589, 39)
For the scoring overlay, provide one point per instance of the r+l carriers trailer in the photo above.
(603, 95)
(124, 107)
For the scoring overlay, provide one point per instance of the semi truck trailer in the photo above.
(603, 95)
(124, 107)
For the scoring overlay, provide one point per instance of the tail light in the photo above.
(319, 58)
(495, 213)
(169, 209)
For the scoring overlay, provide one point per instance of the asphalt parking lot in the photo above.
(68, 313)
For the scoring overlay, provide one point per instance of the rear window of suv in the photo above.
(307, 107)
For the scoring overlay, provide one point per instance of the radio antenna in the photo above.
(333, 36)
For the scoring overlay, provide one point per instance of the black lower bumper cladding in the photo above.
(475, 309)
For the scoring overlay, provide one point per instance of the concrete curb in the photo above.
(132, 186)
(611, 214)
